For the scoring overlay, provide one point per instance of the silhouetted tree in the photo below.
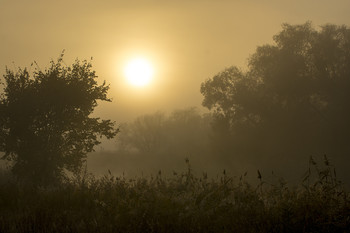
(294, 96)
(45, 122)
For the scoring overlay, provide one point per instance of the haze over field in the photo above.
(188, 41)
(178, 44)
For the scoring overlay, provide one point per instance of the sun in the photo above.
(139, 72)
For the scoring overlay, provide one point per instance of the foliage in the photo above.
(182, 132)
(181, 203)
(293, 97)
(144, 133)
(45, 123)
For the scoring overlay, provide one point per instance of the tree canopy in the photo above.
(45, 119)
(292, 98)
(180, 132)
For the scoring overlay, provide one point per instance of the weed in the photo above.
(180, 203)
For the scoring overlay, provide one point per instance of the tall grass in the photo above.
(181, 203)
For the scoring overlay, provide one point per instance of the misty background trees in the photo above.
(45, 123)
(159, 141)
(290, 103)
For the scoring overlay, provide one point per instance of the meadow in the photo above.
(183, 202)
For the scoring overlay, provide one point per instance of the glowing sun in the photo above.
(139, 72)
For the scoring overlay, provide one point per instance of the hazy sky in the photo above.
(187, 41)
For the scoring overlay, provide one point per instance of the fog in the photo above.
(175, 118)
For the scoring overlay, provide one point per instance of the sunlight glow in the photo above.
(139, 72)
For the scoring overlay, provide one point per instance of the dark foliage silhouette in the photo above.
(45, 123)
(294, 96)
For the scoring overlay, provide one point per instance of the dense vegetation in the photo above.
(46, 126)
(181, 203)
(291, 102)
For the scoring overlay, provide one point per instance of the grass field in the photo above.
(181, 203)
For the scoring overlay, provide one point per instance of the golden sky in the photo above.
(187, 41)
